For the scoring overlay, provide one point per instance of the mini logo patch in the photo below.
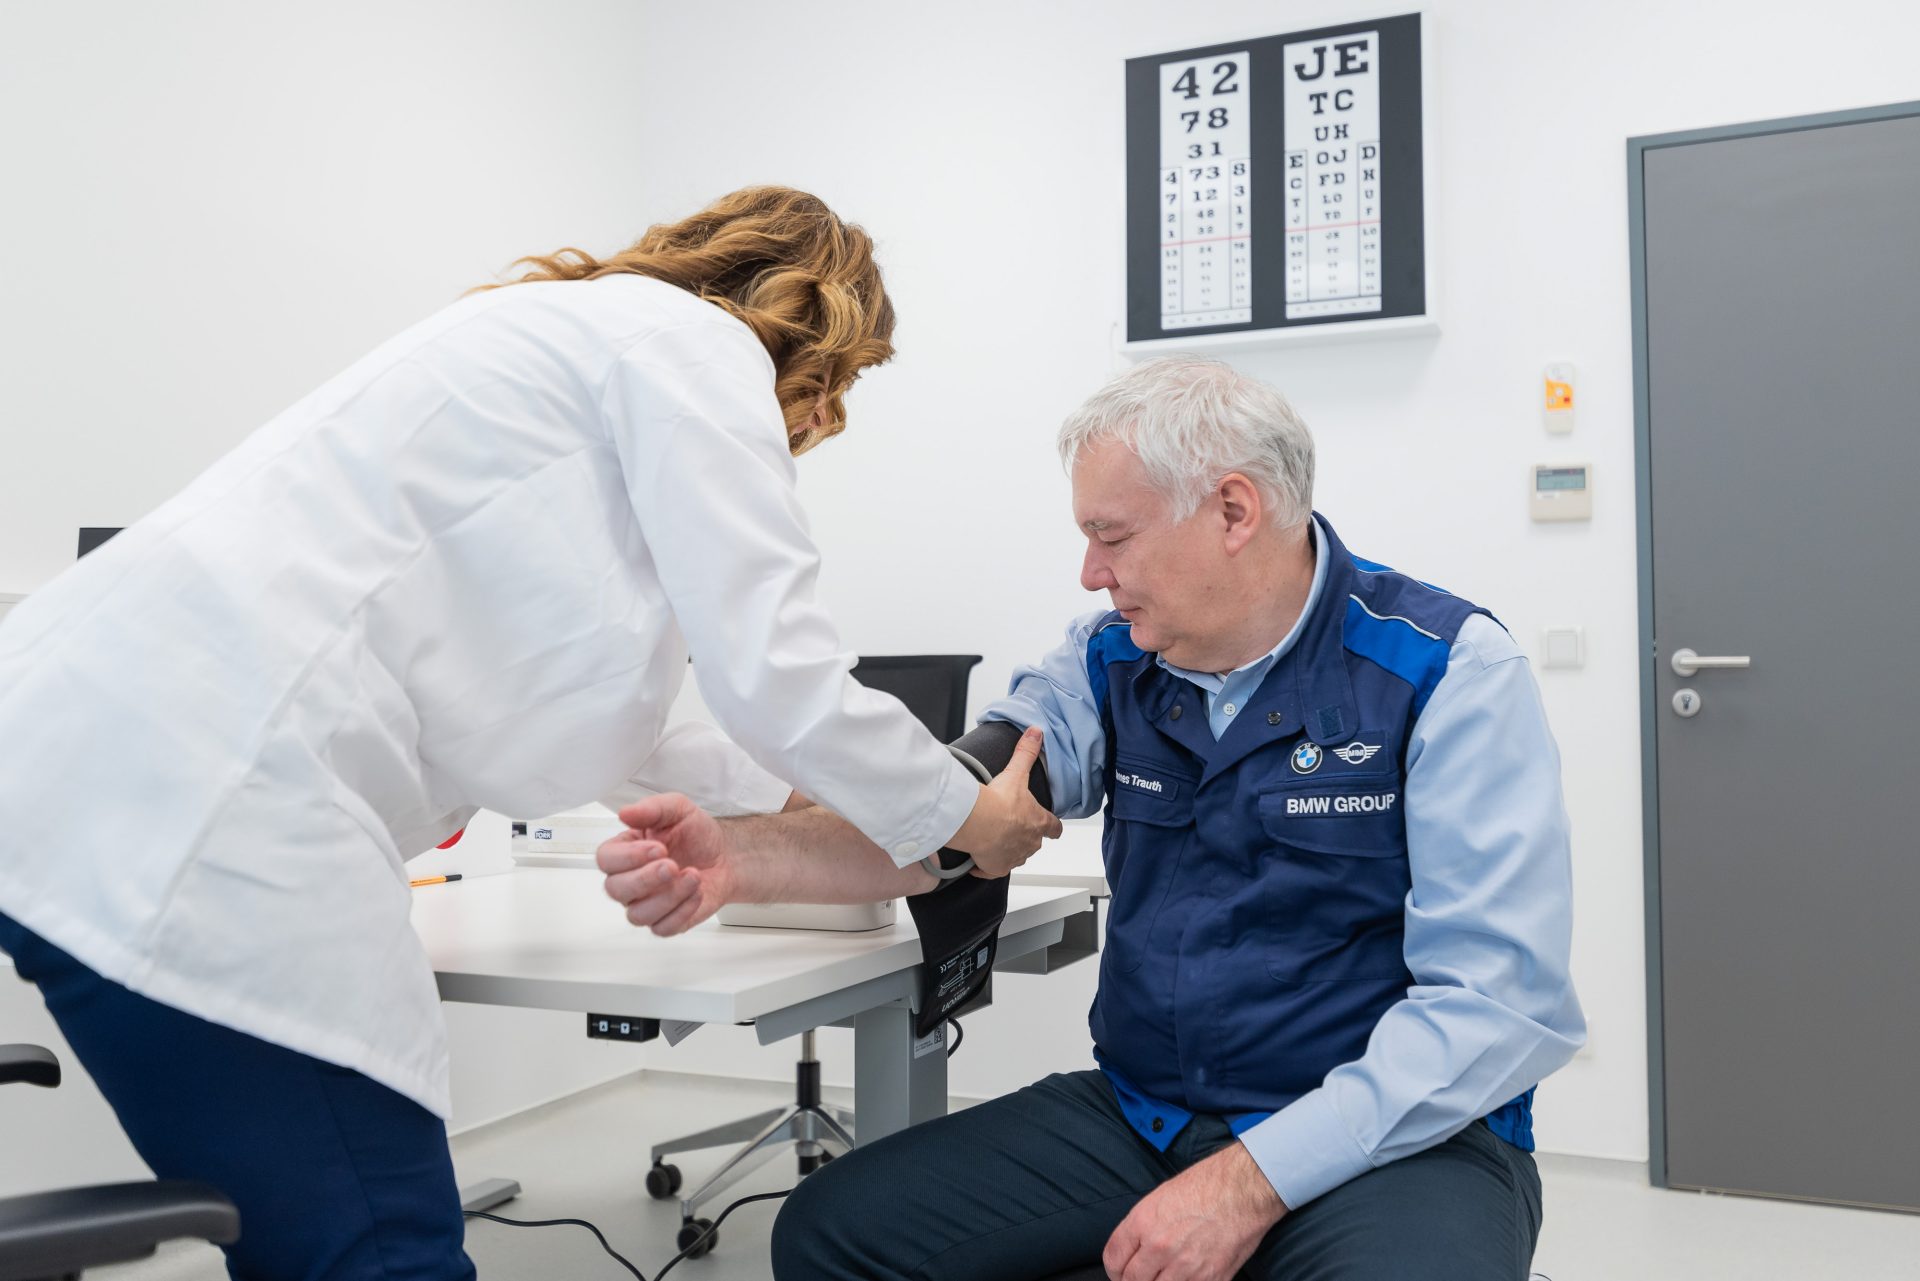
(1357, 753)
(1306, 758)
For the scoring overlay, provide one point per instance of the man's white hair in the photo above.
(1190, 421)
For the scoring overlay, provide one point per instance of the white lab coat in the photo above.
(465, 573)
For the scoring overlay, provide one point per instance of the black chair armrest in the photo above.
(29, 1063)
(57, 1234)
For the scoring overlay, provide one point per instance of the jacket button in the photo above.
(1273, 718)
(1174, 715)
(1158, 1125)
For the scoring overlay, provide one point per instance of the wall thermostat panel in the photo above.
(1562, 491)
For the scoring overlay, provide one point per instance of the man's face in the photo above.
(1167, 579)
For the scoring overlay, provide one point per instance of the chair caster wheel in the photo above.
(663, 1181)
(697, 1238)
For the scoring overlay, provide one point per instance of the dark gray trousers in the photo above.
(1031, 1185)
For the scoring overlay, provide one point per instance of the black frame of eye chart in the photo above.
(1402, 299)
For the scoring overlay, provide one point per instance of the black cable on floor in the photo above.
(715, 1227)
(556, 1223)
(959, 1034)
(618, 1257)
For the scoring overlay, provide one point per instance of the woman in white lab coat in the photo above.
(467, 572)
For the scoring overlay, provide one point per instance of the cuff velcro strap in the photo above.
(985, 751)
(950, 864)
(960, 925)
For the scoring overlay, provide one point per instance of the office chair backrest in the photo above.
(933, 686)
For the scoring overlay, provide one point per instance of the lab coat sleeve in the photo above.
(703, 447)
(698, 761)
(1489, 924)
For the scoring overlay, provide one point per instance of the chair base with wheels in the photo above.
(934, 689)
(818, 1132)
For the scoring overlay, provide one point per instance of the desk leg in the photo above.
(893, 1089)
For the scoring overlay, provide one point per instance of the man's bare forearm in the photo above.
(813, 856)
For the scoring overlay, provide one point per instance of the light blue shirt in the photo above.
(1488, 921)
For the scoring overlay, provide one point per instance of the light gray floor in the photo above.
(584, 1158)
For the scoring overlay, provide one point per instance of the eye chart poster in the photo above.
(1206, 193)
(1333, 175)
(1276, 183)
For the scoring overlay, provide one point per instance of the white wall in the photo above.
(210, 208)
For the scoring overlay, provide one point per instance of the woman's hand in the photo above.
(672, 867)
(1007, 824)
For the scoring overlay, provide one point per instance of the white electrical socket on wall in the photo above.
(1563, 647)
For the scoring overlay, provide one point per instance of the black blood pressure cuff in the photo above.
(959, 920)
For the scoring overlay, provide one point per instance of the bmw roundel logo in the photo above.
(1306, 758)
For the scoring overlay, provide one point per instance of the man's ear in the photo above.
(1241, 509)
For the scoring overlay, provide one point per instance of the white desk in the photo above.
(1074, 860)
(551, 939)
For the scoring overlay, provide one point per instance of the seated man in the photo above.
(1336, 960)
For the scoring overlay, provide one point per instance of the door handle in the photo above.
(1686, 662)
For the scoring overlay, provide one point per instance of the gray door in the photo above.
(1778, 286)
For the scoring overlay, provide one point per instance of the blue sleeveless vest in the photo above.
(1260, 881)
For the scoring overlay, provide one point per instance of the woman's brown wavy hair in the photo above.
(779, 259)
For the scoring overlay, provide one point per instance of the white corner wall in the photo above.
(212, 207)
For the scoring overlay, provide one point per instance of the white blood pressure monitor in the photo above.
(1562, 491)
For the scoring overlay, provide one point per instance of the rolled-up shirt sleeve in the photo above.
(702, 444)
(1056, 695)
(1492, 1010)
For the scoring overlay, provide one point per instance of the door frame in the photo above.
(1637, 148)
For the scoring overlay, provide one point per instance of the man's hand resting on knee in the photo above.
(1200, 1225)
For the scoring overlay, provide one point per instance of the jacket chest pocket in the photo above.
(1149, 828)
(1357, 817)
(1335, 877)
(1152, 792)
